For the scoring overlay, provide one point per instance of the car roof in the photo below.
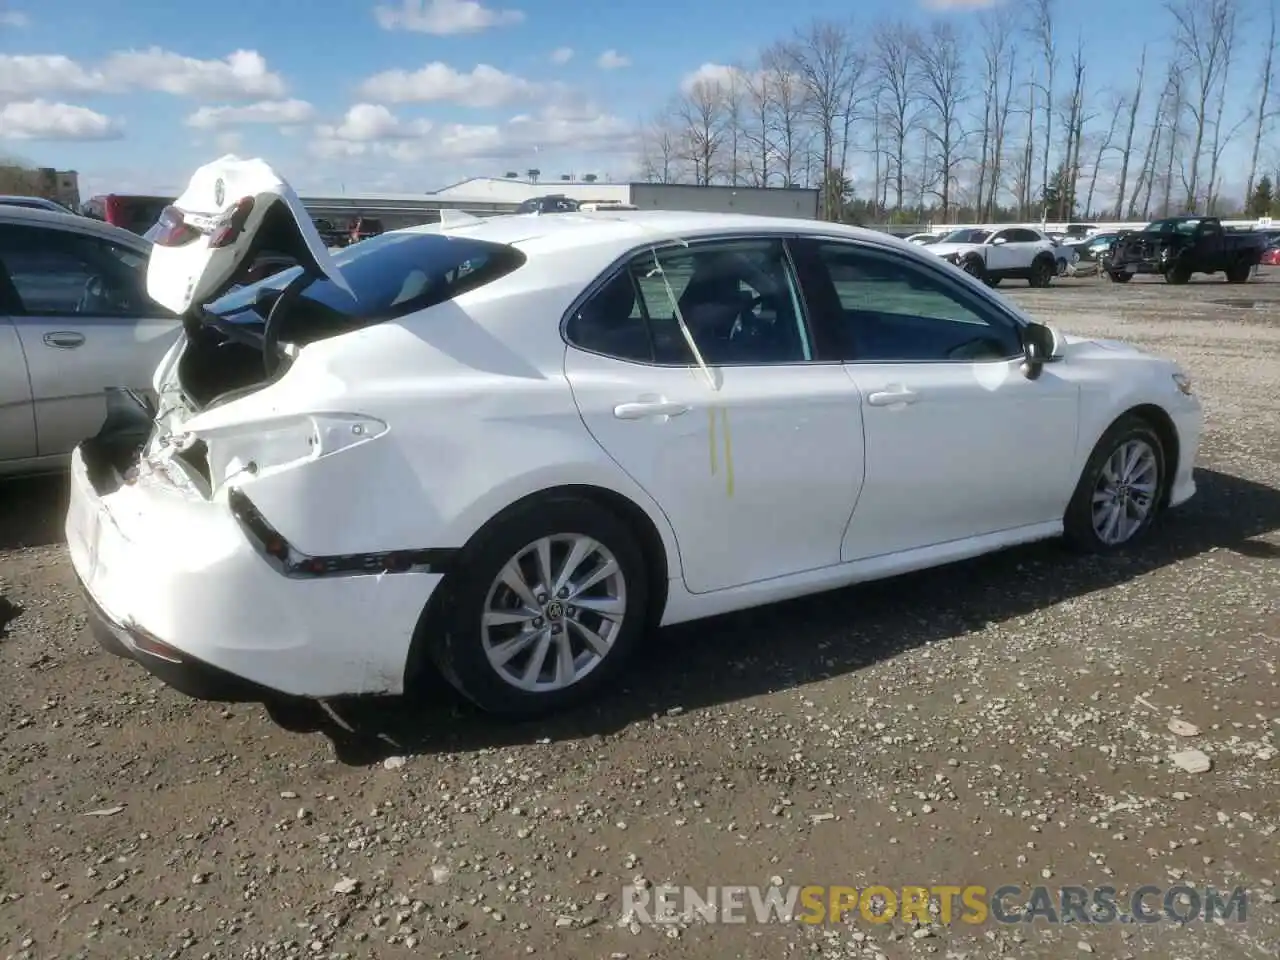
(29, 216)
(625, 229)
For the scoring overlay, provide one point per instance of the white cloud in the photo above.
(369, 122)
(282, 113)
(562, 55)
(374, 131)
(243, 74)
(42, 120)
(14, 18)
(444, 17)
(612, 60)
(484, 86)
(714, 75)
(28, 75)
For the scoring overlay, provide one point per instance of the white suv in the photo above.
(1009, 253)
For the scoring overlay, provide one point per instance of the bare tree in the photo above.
(1074, 120)
(1044, 33)
(1222, 138)
(1174, 111)
(1264, 112)
(659, 151)
(997, 57)
(702, 128)
(758, 127)
(894, 67)
(1126, 154)
(1104, 144)
(825, 60)
(787, 96)
(942, 88)
(733, 94)
(1202, 34)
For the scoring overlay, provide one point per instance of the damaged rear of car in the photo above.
(168, 525)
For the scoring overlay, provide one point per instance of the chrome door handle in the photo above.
(893, 397)
(640, 409)
(65, 339)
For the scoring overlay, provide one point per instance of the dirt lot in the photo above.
(1004, 721)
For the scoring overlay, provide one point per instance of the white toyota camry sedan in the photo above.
(511, 447)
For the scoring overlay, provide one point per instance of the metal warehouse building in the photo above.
(486, 192)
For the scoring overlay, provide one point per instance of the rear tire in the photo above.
(1238, 273)
(1042, 271)
(500, 605)
(1125, 476)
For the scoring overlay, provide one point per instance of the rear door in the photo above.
(757, 468)
(17, 419)
(84, 322)
(232, 211)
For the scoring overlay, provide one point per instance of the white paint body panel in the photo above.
(485, 405)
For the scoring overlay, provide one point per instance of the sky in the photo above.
(348, 96)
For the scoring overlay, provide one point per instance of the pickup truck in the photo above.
(1177, 247)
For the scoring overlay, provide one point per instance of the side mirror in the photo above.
(1040, 345)
(999, 240)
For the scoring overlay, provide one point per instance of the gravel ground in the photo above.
(1003, 721)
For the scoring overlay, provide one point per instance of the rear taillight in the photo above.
(172, 230)
(228, 231)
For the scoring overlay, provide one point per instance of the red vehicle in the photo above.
(137, 214)
(1271, 255)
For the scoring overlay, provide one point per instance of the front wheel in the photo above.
(546, 609)
(1117, 277)
(1120, 490)
(1042, 272)
(1177, 275)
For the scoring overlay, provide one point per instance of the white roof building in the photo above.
(512, 190)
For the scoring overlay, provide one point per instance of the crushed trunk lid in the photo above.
(232, 212)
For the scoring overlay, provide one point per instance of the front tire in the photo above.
(1117, 277)
(546, 608)
(1177, 275)
(1120, 490)
(1042, 272)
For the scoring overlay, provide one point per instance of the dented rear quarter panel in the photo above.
(437, 378)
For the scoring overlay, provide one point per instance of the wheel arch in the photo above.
(658, 561)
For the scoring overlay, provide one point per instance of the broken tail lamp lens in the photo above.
(172, 229)
(227, 231)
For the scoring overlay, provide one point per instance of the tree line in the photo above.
(987, 119)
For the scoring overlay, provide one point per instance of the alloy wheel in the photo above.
(553, 612)
(1125, 493)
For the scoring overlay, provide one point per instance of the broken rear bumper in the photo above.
(166, 571)
(182, 672)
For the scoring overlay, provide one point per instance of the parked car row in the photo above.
(1174, 248)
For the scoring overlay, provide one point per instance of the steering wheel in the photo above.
(92, 296)
(979, 348)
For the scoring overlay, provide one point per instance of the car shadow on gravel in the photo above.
(32, 510)
(784, 646)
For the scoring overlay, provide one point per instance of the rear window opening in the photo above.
(391, 275)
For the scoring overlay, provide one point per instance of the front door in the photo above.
(959, 443)
(754, 454)
(85, 324)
